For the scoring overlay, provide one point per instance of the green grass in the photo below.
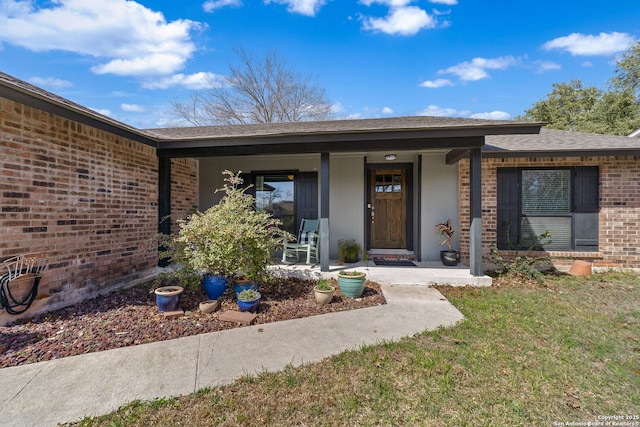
(564, 351)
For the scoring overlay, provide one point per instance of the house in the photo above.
(89, 192)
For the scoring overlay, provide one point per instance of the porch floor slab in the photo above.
(425, 273)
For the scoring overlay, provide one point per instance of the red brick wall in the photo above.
(84, 198)
(184, 189)
(619, 207)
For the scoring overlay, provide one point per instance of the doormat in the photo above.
(394, 263)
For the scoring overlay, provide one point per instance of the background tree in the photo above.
(572, 106)
(257, 90)
(627, 72)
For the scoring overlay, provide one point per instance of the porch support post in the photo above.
(324, 211)
(164, 199)
(475, 214)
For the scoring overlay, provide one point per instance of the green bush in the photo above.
(231, 237)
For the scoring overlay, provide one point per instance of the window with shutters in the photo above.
(563, 201)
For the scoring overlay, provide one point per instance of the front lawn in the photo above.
(566, 351)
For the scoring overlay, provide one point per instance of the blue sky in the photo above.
(375, 58)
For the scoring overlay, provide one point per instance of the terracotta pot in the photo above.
(580, 268)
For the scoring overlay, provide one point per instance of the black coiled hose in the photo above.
(17, 305)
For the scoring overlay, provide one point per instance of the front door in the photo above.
(388, 208)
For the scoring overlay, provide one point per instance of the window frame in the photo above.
(510, 192)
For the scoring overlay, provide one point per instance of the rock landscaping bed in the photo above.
(130, 317)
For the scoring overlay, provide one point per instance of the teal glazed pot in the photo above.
(352, 286)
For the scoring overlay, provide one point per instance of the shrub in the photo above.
(231, 237)
(524, 266)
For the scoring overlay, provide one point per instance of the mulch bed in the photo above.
(130, 317)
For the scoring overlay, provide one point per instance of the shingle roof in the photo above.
(333, 127)
(551, 141)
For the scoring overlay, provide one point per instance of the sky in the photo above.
(375, 58)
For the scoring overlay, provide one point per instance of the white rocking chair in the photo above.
(307, 242)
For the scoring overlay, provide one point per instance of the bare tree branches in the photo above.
(257, 90)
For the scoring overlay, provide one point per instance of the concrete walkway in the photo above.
(64, 390)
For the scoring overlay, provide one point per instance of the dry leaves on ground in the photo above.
(130, 317)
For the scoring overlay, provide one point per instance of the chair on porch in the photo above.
(307, 242)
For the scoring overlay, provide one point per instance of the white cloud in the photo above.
(493, 115)
(132, 108)
(585, 44)
(587, 64)
(49, 82)
(133, 39)
(387, 110)
(211, 5)
(446, 2)
(477, 68)
(434, 110)
(337, 108)
(401, 20)
(303, 7)
(542, 66)
(151, 64)
(436, 83)
(194, 81)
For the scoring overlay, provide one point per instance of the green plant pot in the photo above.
(352, 286)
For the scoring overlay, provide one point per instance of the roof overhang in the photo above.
(453, 138)
(337, 136)
(560, 153)
(31, 96)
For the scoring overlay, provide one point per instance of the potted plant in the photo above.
(242, 283)
(348, 251)
(248, 300)
(231, 237)
(323, 291)
(448, 257)
(168, 297)
(351, 283)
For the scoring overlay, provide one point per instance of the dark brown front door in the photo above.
(388, 209)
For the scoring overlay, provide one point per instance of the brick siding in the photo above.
(619, 233)
(83, 198)
(184, 189)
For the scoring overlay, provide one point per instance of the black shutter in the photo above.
(586, 207)
(508, 227)
(306, 198)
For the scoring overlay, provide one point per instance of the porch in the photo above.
(424, 273)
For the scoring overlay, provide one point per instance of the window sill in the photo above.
(554, 254)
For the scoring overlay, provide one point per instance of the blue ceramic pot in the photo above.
(250, 306)
(168, 298)
(351, 287)
(245, 285)
(214, 286)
